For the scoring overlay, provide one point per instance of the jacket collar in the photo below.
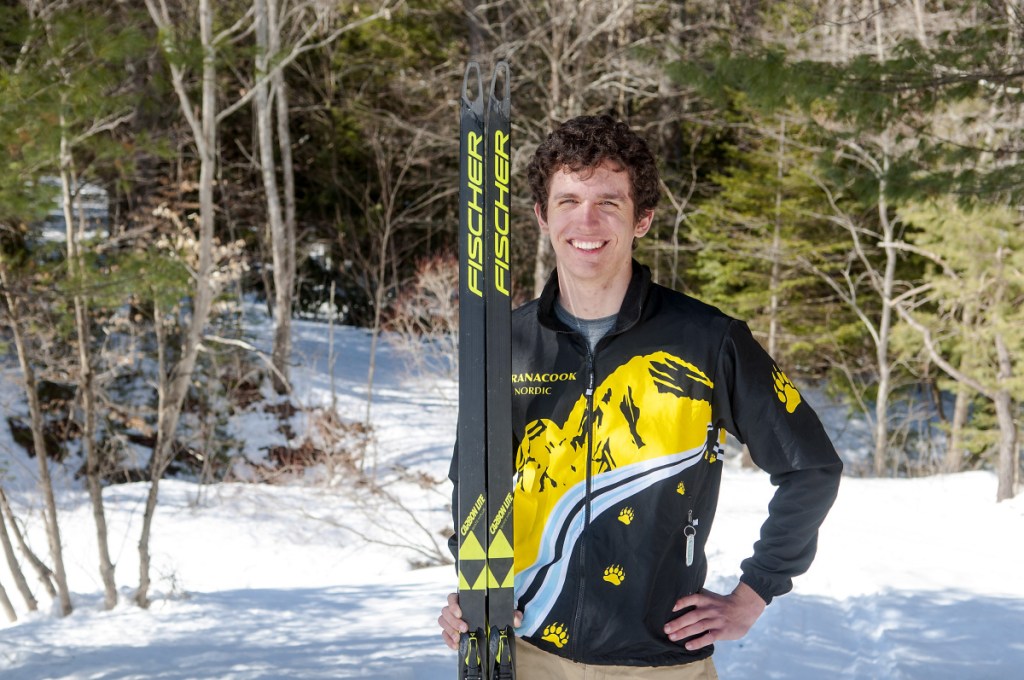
(632, 308)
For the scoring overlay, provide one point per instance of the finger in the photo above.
(445, 631)
(691, 618)
(696, 622)
(449, 621)
(452, 641)
(695, 600)
(453, 604)
(704, 640)
(517, 619)
(697, 630)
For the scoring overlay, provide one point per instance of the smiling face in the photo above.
(591, 221)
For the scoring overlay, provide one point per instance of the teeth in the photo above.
(588, 245)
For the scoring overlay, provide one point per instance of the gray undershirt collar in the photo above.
(591, 329)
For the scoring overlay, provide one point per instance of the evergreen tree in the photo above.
(970, 306)
(759, 238)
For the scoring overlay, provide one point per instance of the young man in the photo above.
(630, 390)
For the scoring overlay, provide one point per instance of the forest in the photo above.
(844, 175)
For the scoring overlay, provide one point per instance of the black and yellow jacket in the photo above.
(619, 467)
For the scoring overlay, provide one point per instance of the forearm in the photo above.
(789, 537)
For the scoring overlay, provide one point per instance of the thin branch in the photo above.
(300, 48)
(233, 342)
(940, 361)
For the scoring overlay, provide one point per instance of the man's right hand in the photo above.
(452, 625)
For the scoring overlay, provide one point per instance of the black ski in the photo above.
(500, 457)
(486, 465)
(472, 426)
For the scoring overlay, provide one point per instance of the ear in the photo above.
(643, 225)
(541, 222)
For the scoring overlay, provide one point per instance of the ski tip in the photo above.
(471, 95)
(501, 81)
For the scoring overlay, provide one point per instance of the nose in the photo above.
(590, 212)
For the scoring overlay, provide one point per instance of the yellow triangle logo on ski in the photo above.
(500, 547)
(471, 549)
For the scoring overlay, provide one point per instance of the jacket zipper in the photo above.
(582, 572)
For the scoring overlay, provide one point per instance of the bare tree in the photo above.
(203, 119)
(977, 295)
(86, 384)
(46, 576)
(424, 318)
(400, 153)
(6, 605)
(881, 280)
(869, 29)
(281, 219)
(38, 441)
(204, 131)
(70, 192)
(12, 561)
(283, 31)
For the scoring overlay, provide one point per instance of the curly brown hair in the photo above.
(582, 144)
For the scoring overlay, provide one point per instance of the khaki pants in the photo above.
(535, 664)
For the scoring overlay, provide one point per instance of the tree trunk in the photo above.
(39, 444)
(922, 36)
(954, 451)
(1007, 446)
(1005, 466)
(1013, 20)
(42, 571)
(5, 604)
(86, 386)
(204, 131)
(384, 163)
(774, 283)
(475, 31)
(542, 261)
(1000, 395)
(284, 143)
(142, 596)
(279, 240)
(884, 332)
(12, 565)
(887, 285)
(846, 17)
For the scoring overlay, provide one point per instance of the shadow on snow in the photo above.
(389, 631)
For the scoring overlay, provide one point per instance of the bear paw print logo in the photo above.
(614, 575)
(681, 488)
(786, 390)
(626, 516)
(556, 634)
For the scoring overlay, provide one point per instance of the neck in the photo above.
(592, 299)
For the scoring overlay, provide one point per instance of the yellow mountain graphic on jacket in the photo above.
(652, 406)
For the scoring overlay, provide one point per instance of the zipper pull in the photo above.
(590, 377)
(690, 531)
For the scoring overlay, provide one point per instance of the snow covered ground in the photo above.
(920, 578)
